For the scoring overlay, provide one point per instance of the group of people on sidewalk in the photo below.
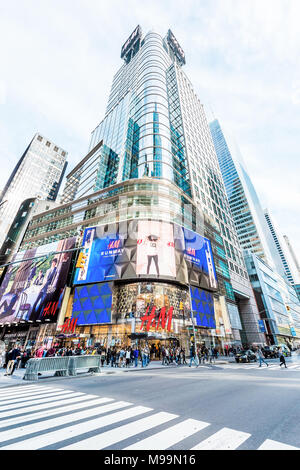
(17, 356)
(201, 354)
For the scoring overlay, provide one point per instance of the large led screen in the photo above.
(155, 249)
(33, 289)
(147, 249)
(92, 304)
(203, 307)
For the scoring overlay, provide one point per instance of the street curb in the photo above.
(119, 371)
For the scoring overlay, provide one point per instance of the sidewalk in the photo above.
(17, 377)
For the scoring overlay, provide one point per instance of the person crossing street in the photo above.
(282, 358)
(260, 357)
(193, 356)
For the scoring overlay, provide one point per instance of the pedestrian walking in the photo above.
(282, 358)
(102, 356)
(122, 357)
(127, 357)
(260, 357)
(211, 356)
(13, 357)
(193, 356)
(163, 353)
(136, 356)
(167, 355)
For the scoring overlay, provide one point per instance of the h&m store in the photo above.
(137, 284)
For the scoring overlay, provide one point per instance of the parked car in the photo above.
(270, 352)
(246, 356)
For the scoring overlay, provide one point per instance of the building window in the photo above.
(63, 153)
(40, 138)
(48, 144)
(55, 149)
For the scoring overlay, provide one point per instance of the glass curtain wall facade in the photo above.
(143, 123)
(279, 246)
(38, 173)
(246, 221)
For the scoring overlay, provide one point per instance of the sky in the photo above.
(58, 58)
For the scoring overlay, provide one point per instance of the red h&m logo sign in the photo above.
(50, 309)
(69, 326)
(165, 320)
(114, 244)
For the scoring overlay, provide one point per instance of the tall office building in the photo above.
(286, 259)
(38, 174)
(267, 265)
(293, 256)
(147, 204)
(251, 225)
(155, 127)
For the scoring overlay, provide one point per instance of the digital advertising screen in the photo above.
(199, 258)
(146, 249)
(92, 304)
(203, 307)
(155, 249)
(33, 289)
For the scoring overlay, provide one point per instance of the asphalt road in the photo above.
(229, 406)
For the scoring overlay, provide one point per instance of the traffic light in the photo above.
(81, 260)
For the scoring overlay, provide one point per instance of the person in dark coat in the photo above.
(282, 358)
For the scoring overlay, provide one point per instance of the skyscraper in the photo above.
(38, 173)
(251, 226)
(287, 261)
(293, 255)
(267, 266)
(149, 208)
(155, 127)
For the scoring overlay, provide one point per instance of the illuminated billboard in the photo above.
(146, 249)
(33, 289)
(203, 307)
(155, 249)
(92, 304)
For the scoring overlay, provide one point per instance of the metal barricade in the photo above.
(84, 362)
(46, 364)
(63, 366)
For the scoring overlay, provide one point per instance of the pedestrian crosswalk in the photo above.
(255, 366)
(42, 417)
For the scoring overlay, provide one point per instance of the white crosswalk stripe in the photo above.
(225, 439)
(76, 404)
(69, 397)
(22, 398)
(17, 390)
(274, 445)
(46, 398)
(169, 437)
(111, 437)
(44, 440)
(60, 420)
(256, 367)
(70, 420)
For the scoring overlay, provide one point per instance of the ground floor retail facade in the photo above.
(125, 314)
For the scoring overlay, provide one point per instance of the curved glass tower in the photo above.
(142, 131)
